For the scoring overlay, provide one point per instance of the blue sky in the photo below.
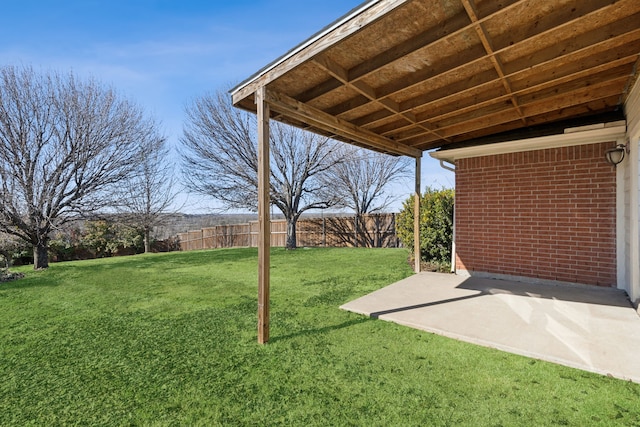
(163, 53)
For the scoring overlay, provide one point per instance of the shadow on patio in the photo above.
(590, 328)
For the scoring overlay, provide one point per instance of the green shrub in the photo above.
(436, 227)
(107, 238)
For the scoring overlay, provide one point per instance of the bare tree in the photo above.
(147, 195)
(64, 144)
(219, 153)
(362, 181)
(363, 177)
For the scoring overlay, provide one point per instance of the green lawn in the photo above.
(170, 339)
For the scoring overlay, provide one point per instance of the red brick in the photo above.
(547, 214)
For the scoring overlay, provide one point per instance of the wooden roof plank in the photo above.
(612, 51)
(454, 72)
(307, 50)
(538, 50)
(577, 97)
(399, 51)
(449, 95)
(421, 76)
(499, 112)
(431, 36)
(614, 70)
(536, 19)
(490, 49)
(566, 100)
(341, 74)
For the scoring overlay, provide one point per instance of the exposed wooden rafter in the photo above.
(307, 50)
(342, 75)
(616, 70)
(299, 111)
(405, 76)
(488, 47)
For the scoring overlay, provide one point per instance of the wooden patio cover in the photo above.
(404, 76)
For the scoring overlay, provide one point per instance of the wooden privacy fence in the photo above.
(375, 230)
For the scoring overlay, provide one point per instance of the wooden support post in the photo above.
(264, 219)
(416, 218)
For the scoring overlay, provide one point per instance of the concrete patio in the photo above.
(585, 327)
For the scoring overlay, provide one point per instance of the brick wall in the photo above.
(547, 214)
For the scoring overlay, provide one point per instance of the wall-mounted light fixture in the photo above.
(616, 155)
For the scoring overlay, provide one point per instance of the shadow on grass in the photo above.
(27, 283)
(100, 266)
(324, 329)
(170, 260)
(31, 280)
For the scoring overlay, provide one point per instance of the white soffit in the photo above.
(591, 134)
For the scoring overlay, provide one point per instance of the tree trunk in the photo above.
(41, 255)
(147, 240)
(291, 233)
(7, 258)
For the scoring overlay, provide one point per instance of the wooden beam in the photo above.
(464, 82)
(341, 74)
(599, 56)
(461, 99)
(563, 41)
(472, 55)
(605, 54)
(319, 89)
(348, 105)
(469, 59)
(556, 103)
(305, 113)
(485, 94)
(399, 52)
(593, 79)
(489, 48)
(600, 105)
(314, 46)
(579, 96)
(465, 101)
(264, 220)
(556, 15)
(561, 93)
(416, 217)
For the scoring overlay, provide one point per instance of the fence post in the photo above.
(355, 231)
(324, 231)
(394, 236)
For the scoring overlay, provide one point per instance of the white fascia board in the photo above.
(605, 132)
